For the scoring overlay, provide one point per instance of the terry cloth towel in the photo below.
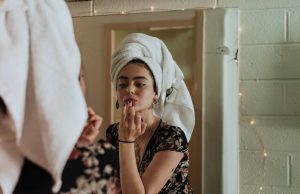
(175, 105)
(39, 68)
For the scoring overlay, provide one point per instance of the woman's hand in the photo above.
(131, 124)
(91, 128)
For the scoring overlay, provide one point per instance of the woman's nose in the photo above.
(131, 90)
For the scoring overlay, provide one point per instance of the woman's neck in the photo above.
(149, 118)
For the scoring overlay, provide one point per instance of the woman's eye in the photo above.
(122, 85)
(140, 85)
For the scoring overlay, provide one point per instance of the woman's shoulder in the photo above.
(170, 130)
(170, 137)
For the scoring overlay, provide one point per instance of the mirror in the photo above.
(183, 33)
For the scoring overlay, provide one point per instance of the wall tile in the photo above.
(261, 98)
(294, 25)
(252, 168)
(293, 98)
(262, 27)
(255, 189)
(270, 62)
(280, 134)
(249, 139)
(295, 169)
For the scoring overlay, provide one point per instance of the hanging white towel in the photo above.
(175, 105)
(39, 68)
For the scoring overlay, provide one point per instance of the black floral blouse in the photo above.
(165, 137)
(92, 170)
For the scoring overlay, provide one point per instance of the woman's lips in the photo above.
(127, 101)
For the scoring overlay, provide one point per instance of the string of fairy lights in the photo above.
(264, 153)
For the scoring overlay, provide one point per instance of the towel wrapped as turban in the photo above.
(174, 104)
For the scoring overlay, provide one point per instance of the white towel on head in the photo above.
(39, 68)
(175, 104)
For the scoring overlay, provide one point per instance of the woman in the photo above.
(157, 118)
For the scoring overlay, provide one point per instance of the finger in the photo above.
(91, 111)
(89, 135)
(131, 110)
(123, 113)
(91, 131)
(130, 117)
(96, 121)
(86, 125)
(94, 118)
(138, 122)
(84, 141)
(92, 134)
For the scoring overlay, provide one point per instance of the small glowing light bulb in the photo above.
(122, 12)
(152, 8)
(265, 154)
(252, 122)
(240, 94)
(261, 188)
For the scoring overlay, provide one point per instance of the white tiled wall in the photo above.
(269, 59)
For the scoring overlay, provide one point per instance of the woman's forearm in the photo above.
(131, 181)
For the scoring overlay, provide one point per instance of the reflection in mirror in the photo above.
(182, 31)
(180, 38)
(267, 65)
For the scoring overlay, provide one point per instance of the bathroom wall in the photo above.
(269, 95)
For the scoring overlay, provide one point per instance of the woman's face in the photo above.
(135, 84)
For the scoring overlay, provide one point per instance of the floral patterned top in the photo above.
(92, 170)
(165, 137)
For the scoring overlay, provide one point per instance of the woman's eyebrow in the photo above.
(140, 77)
(134, 78)
(122, 77)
